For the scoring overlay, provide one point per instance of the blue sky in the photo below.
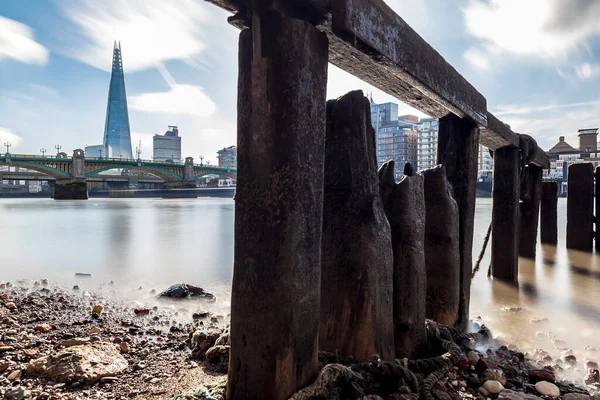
(537, 62)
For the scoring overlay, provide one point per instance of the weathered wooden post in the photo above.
(505, 214)
(277, 261)
(529, 209)
(404, 205)
(442, 247)
(580, 207)
(356, 256)
(458, 150)
(549, 217)
(597, 214)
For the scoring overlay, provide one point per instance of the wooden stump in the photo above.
(529, 209)
(442, 249)
(356, 257)
(549, 217)
(580, 207)
(404, 205)
(278, 208)
(597, 214)
(458, 151)
(505, 215)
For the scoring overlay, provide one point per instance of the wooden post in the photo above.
(442, 250)
(549, 217)
(580, 207)
(597, 213)
(404, 205)
(278, 208)
(356, 257)
(529, 209)
(458, 151)
(505, 215)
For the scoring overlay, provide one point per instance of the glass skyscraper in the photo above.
(116, 128)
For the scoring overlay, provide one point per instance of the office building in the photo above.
(168, 146)
(116, 128)
(97, 151)
(428, 143)
(227, 157)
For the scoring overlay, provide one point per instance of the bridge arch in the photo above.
(45, 169)
(167, 176)
(231, 175)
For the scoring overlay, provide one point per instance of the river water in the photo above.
(153, 243)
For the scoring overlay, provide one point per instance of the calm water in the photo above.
(154, 242)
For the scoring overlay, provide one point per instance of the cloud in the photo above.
(6, 135)
(539, 28)
(180, 99)
(150, 31)
(477, 58)
(17, 42)
(587, 70)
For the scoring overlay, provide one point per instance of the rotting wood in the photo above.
(404, 205)
(529, 210)
(356, 258)
(277, 247)
(549, 213)
(580, 207)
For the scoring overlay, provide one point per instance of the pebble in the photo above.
(547, 389)
(95, 330)
(472, 357)
(97, 309)
(43, 328)
(483, 391)
(576, 396)
(10, 305)
(494, 375)
(544, 374)
(124, 347)
(154, 380)
(571, 359)
(13, 376)
(17, 393)
(494, 387)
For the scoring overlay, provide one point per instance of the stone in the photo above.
(88, 363)
(13, 376)
(218, 354)
(571, 359)
(576, 396)
(494, 375)
(202, 340)
(463, 364)
(95, 330)
(473, 381)
(507, 394)
(10, 305)
(140, 312)
(124, 347)
(74, 342)
(43, 328)
(472, 357)
(4, 366)
(592, 376)
(483, 391)
(97, 309)
(493, 387)
(185, 291)
(538, 375)
(16, 393)
(547, 389)
(589, 364)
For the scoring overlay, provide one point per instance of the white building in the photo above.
(97, 151)
(427, 143)
(168, 146)
(485, 162)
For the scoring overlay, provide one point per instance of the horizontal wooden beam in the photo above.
(541, 159)
(497, 134)
(376, 45)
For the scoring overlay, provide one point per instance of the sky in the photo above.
(537, 62)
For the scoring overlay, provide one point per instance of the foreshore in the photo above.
(70, 343)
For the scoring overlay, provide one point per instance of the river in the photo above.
(152, 243)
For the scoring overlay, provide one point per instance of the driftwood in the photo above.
(442, 257)
(404, 205)
(356, 277)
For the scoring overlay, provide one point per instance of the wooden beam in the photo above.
(548, 213)
(580, 207)
(497, 134)
(529, 210)
(376, 45)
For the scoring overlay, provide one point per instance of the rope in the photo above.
(483, 248)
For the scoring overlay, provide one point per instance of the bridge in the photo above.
(71, 174)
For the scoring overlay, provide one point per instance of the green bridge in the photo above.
(70, 174)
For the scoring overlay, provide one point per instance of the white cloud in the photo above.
(180, 99)
(587, 70)
(6, 135)
(542, 28)
(17, 42)
(150, 31)
(477, 58)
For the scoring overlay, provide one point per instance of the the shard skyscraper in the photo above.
(116, 128)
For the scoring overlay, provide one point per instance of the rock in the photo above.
(5, 348)
(463, 364)
(571, 359)
(43, 328)
(592, 376)
(218, 354)
(184, 291)
(547, 389)
(538, 375)
(124, 347)
(589, 364)
(16, 393)
(75, 287)
(493, 387)
(538, 320)
(97, 309)
(74, 342)
(483, 391)
(95, 330)
(494, 375)
(473, 381)
(10, 305)
(481, 366)
(512, 395)
(141, 311)
(4, 366)
(472, 357)
(576, 396)
(13, 376)
(202, 340)
(82, 362)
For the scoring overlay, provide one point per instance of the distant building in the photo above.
(485, 162)
(97, 151)
(167, 146)
(116, 129)
(428, 143)
(588, 140)
(227, 157)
